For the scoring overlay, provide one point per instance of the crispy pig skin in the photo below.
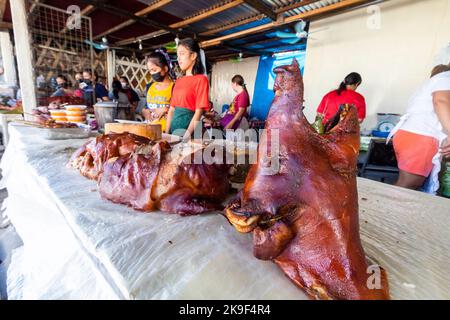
(304, 217)
(148, 177)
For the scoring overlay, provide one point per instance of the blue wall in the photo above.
(263, 92)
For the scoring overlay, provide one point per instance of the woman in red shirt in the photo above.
(238, 107)
(345, 94)
(190, 93)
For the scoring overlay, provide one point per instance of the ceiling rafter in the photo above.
(124, 13)
(154, 6)
(203, 14)
(261, 7)
(305, 15)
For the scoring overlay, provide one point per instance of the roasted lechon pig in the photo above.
(90, 158)
(153, 176)
(304, 216)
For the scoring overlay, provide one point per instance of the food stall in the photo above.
(78, 245)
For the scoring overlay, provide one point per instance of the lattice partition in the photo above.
(59, 47)
(134, 69)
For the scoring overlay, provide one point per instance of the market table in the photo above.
(77, 245)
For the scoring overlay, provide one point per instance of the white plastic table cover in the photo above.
(78, 246)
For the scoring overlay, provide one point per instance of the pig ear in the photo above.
(293, 67)
(341, 144)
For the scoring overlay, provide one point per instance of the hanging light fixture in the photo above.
(140, 44)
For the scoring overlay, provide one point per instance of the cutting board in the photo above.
(148, 130)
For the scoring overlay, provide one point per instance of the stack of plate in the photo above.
(76, 113)
(59, 115)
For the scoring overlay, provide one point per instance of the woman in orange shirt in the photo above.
(190, 93)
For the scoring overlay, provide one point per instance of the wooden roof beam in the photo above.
(255, 18)
(294, 5)
(207, 13)
(233, 25)
(195, 18)
(262, 8)
(2, 8)
(305, 15)
(154, 6)
(5, 25)
(244, 50)
(143, 37)
(124, 13)
(87, 10)
(34, 5)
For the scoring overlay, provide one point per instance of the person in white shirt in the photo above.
(421, 138)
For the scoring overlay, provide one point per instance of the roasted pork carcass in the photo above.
(151, 177)
(89, 158)
(304, 216)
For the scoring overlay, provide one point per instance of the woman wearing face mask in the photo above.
(89, 88)
(159, 92)
(238, 107)
(126, 88)
(190, 94)
(125, 109)
(63, 87)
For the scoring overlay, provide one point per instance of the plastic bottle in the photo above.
(445, 180)
(318, 124)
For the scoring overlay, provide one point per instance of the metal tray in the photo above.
(83, 131)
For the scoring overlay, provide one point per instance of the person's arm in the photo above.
(321, 108)
(160, 112)
(195, 120)
(169, 118)
(133, 107)
(441, 102)
(134, 96)
(147, 114)
(101, 93)
(362, 111)
(237, 117)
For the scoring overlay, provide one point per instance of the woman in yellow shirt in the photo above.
(159, 91)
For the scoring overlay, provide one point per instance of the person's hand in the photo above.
(445, 148)
(186, 137)
(147, 114)
(159, 113)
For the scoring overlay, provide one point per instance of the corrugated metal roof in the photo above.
(190, 8)
(309, 7)
(222, 18)
(246, 26)
(178, 10)
(275, 4)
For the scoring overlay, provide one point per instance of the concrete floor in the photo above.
(9, 240)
